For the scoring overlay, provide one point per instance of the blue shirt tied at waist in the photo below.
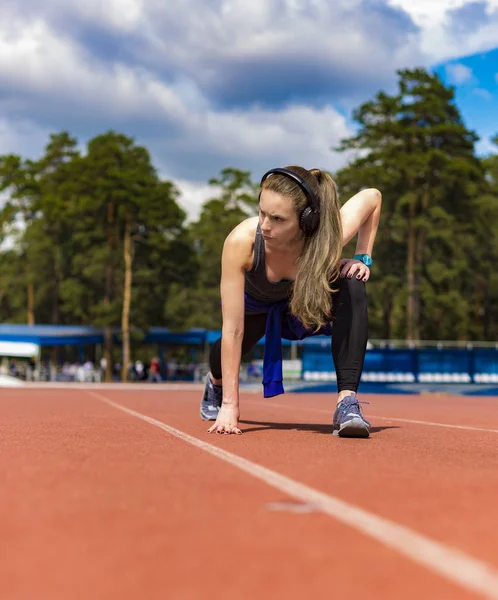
(279, 324)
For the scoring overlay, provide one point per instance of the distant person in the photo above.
(140, 370)
(103, 367)
(172, 368)
(283, 277)
(13, 368)
(154, 370)
(131, 371)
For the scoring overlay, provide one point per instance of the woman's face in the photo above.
(277, 219)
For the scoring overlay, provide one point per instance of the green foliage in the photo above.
(414, 147)
(198, 304)
(436, 252)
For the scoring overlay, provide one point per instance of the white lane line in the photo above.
(467, 427)
(330, 412)
(454, 565)
(144, 387)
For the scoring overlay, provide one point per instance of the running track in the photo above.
(121, 494)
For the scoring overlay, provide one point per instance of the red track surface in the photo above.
(97, 504)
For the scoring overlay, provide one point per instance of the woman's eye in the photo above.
(271, 217)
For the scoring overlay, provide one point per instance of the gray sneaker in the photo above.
(211, 400)
(348, 420)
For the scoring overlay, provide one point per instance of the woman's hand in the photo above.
(351, 267)
(227, 421)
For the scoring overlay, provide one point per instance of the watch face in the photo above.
(365, 259)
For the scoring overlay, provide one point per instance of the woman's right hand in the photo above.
(227, 421)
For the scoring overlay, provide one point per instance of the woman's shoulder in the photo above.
(244, 232)
(241, 240)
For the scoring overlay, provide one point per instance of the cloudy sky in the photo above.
(252, 84)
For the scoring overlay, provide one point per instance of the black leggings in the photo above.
(349, 334)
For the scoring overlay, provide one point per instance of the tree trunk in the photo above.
(125, 316)
(387, 310)
(31, 303)
(480, 307)
(108, 292)
(487, 307)
(410, 262)
(419, 254)
(108, 353)
(53, 358)
(56, 284)
(419, 257)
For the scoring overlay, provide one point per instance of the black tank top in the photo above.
(257, 285)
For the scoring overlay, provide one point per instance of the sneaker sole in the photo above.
(354, 428)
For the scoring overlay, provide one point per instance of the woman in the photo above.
(282, 276)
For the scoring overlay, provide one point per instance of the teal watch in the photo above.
(366, 259)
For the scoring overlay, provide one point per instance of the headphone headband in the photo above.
(309, 219)
(308, 192)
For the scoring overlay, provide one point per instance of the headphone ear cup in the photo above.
(309, 220)
(315, 221)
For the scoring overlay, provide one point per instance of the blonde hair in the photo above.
(318, 264)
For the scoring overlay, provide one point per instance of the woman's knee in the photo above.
(354, 289)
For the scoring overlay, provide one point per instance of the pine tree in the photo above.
(416, 149)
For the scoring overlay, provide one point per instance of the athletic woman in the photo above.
(283, 277)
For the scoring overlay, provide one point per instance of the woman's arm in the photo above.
(233, 263)
(360, 215)
(232, 306)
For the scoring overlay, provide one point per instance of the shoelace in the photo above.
(355, 404)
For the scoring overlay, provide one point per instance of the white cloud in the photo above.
(22, 137)
(483, 93)
(428, 13)
(272, 46)
(296, 131)
(122, 15)
(12, 233)
(207, 34)
(39, 62)
(438, 40)
(458, 73)
(189, 138)
(175, 76)
(193, 196)
(255, 140)
(221, 46)
(28, 140)
(485, 146)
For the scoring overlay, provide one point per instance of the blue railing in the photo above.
(471, 365)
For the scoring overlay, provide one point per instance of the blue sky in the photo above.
(476, 90)
(206, 84)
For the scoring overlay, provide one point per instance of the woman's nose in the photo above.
(265, 225)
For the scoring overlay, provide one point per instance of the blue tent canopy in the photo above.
(158, 335)
(51, 335)
(74, 335)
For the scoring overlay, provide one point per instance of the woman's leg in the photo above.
(349, 343)
(254, 330)
(349, 333)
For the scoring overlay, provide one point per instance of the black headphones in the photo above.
(310, 216)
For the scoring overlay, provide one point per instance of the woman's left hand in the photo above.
(354, 268)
